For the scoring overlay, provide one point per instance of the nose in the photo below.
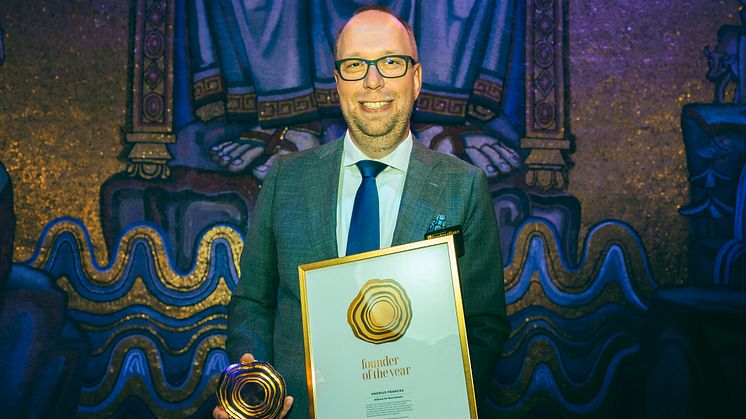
(373, 80)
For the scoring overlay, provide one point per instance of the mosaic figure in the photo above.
(262, 71)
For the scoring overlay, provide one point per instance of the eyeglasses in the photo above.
(390, 66)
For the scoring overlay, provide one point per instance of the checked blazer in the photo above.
(294, 223)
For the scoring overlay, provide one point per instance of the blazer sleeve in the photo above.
(251, 311)
(482, 286)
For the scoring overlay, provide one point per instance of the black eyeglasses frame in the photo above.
(338, 64)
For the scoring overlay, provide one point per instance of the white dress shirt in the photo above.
(390, 184)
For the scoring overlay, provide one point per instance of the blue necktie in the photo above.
(365, 230)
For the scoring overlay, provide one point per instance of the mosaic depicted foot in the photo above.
(238, 155)
(481, 148)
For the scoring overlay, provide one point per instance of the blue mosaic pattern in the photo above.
(158, 335)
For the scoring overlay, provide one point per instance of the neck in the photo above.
(377, 147)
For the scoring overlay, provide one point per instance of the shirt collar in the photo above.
(397, 159)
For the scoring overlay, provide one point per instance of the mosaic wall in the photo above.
(64, 93)
(158, 335)
(588, 104)
(632, 67)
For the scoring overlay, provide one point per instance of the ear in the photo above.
(336, 81)
(417, 75)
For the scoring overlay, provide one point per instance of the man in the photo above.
(306, 210)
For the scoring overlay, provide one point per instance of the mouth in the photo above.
(376, 106)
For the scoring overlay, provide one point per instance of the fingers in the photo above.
(247, 358)
(286, 406)
(219, 413)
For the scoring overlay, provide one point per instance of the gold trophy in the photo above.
(253, 390)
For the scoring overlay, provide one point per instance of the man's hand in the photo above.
(219, 413)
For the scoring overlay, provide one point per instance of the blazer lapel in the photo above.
(321, 200)
(423, 188)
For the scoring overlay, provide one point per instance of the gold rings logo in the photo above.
(381, 312)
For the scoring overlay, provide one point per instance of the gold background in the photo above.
(63, 95)
(632, 66)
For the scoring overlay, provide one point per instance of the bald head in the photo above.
(367, 22)
(377, 108)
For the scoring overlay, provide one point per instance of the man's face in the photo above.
(377, 109)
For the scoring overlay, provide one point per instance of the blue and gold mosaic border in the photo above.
(157, 335)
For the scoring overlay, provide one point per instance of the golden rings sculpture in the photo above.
(253, 390)
(381, 312)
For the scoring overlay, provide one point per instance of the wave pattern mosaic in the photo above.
(158, 335)
(572, 327)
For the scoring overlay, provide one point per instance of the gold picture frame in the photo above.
(379, 327)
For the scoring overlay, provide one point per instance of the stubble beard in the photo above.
(378, 136)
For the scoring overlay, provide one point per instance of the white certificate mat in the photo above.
(384, 335)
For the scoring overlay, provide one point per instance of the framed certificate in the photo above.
(384, 335)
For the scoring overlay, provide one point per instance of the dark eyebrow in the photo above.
(388, 52)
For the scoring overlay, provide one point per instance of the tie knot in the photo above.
(370, 168)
